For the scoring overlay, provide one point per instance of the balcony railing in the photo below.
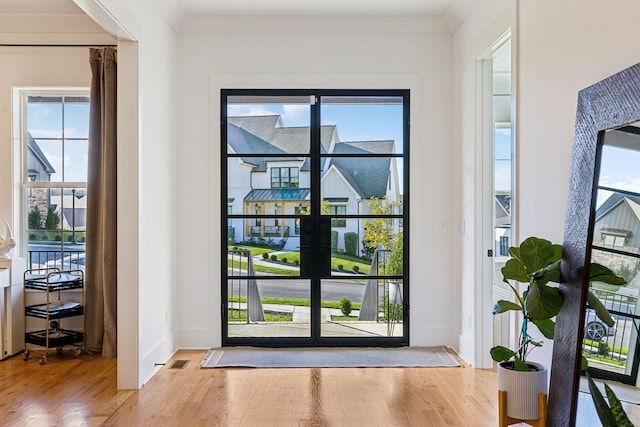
(612, 348)
(64, 260)
(269, 231)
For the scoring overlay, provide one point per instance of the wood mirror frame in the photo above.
(610, 103)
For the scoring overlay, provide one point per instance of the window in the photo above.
(284, 178)
(338, 210)
(613, 241)
(55, 142)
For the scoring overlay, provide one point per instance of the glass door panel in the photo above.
(314, 188)
(613, 349)
(261, 308)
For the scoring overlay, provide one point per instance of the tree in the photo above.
(379, 232)
(53, 220)
(34, 219)
(395, 261)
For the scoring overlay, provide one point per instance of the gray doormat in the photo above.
(373, 357)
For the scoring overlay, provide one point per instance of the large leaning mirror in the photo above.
(602, 225)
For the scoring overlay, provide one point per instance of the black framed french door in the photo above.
(314, 187)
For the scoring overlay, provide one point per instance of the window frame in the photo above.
(24, 177)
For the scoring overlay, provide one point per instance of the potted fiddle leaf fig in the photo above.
(535, 264)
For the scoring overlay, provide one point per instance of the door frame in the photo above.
(315, 338)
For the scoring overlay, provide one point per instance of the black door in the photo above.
(314, 189)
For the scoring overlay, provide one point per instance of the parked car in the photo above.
(595, 329)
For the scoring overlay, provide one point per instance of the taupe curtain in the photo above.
(101, 259)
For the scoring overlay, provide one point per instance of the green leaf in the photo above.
(537, 253)
(601, 311)
(520, 365)
(514, 252)
(550, 273)
(584, 363)
(547, 327)
(504, 306)
(600, 273)
(542, 301)
(604, 412)
(501, 354)
(514, 269)
(616, 408)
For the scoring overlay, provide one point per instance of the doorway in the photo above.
(314, 189)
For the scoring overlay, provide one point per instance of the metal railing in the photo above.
(62, 259)
(612, 347)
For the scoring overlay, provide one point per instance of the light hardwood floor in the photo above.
(78, 392)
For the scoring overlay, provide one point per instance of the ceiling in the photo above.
(38, 6)
(451, 9)
(314, 7)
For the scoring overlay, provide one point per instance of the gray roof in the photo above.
(242, 142)
(79, 217)
(269, 195)
(369, 177)
(292, 140)
(613, 201)
(256, 135)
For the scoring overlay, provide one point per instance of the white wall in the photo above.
(158, 284)
(564, 47)
(31, 67)
(294, 52)
(561, 48)
(147, 280)
(472, 42)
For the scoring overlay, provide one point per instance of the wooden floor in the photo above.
(79, 392)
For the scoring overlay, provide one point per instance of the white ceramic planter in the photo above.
(522, 390)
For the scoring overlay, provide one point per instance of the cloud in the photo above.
(249, 110)
(633, 185)
(295, 111)
(503, 179)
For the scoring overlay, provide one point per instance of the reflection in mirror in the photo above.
(602, 170)
(611, 349)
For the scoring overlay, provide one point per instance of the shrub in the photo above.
(69, 238)
(603, 348)
(284, 260)
(265, 255)
(351, 243)
(356, 269)
(34, 219)
(296, 262)
(45, 237)
(58, 238)
(345, 306)
(53, 220)
(274, 257)
(340, 267)
(334, 241)
(32, 236)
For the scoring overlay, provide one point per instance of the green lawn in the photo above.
(301, 302)
(254, 250)
(346, 261)
(241, 316)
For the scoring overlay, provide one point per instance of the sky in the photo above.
(619, 169)
(45, 120)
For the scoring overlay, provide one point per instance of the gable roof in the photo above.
(617, 198)
(369, 177)
(257, 135)
(242, 142)
(39, 155)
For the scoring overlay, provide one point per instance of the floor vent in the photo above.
(178, 364)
